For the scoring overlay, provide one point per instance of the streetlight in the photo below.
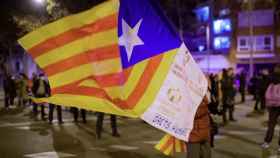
(39, 1)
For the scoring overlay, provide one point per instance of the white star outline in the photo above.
(129, 39)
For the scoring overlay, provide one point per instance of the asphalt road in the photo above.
(23, 136)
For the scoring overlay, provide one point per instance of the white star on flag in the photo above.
(129, 39)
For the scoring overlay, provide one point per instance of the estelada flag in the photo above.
(169, 145)
(120, 57)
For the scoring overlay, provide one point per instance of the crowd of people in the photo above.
(223, 88)
(20, 88)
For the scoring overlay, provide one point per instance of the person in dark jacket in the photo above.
(273, 112)
(228, 90)
(242, 86)
(9, 90)
(35, 79)
(262, 85)
(214, 81)
(253, 85)
(40, 89)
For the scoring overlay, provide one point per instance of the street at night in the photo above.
(140, 79)
(25, 137)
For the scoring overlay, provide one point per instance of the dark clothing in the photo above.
(59, 113)
(35, 110)
(262, 85)
(199, 150)
(253, 86)
(214, 130)
(230, 109)
(9, 90)
(260, 100)
(99, 124)
(228, 91)
(35, 87)
(214, 88)
(43, 114)
(75, 112)
(83, 113)
(242, 86)
(275, 78)
(274, 113)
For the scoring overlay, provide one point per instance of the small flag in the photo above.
(169, 145)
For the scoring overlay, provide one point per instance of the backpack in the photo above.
(272, 95)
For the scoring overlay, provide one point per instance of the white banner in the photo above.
(176, 103)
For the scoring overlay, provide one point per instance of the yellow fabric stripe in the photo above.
(89, 83)
(169, 150)
(162, 141)
(134, 78)
(124, 91)
(98, 40)
(83, 71)
(86, 102)
(175, 145)
(156, 82)
(113, 92)
(75, 21)
(178, 145)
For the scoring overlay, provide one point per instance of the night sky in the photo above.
(8, 8)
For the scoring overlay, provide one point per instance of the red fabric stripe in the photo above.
(104, 81)
(133, 98)
(167, 144)
(142, 84)
(106, 23)
(99, 54)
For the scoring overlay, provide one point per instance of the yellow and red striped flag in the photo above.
(121, 58)
(169, 145)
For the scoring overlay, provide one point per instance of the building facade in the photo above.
(257, 36)
(234, 34)
(211, 43)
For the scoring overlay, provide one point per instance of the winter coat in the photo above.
(36, 85)
(201, 126)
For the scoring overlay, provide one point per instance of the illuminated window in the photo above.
(202, 14)
(222, 42)
(222, 26)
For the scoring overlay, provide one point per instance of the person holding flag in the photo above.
(110, 59)
(198, 145)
